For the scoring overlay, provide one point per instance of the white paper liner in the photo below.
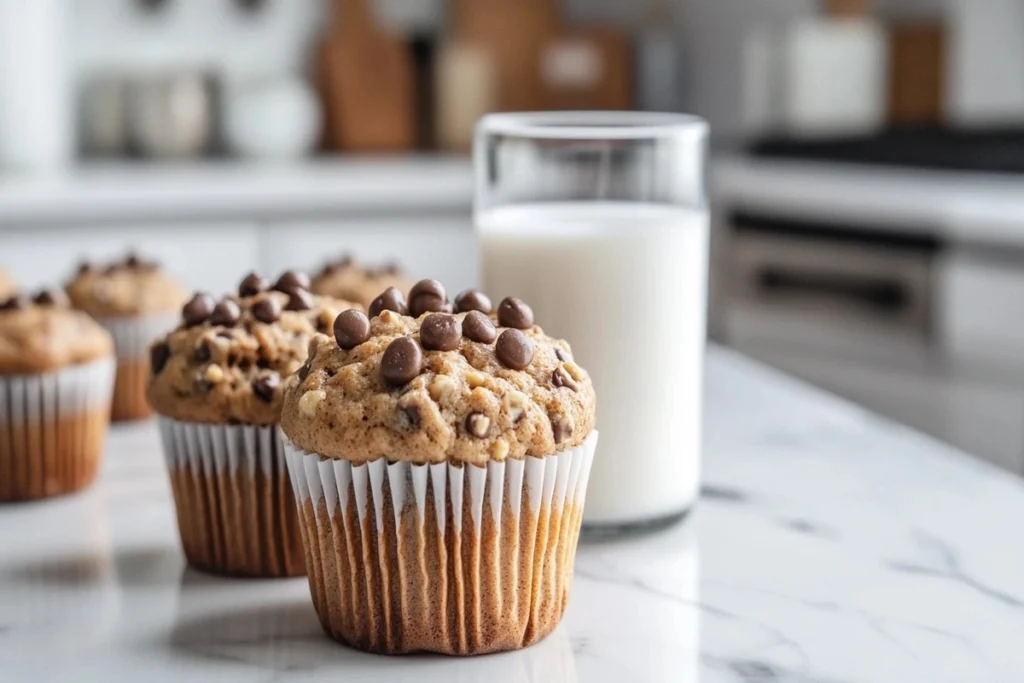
(534, 492)
(235, 508)
(133, 334)
(37, 456)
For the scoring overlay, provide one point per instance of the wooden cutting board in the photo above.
(588, 68)
(368, 81)
(514, 32)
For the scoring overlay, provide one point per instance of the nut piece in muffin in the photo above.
(345, 278)
(460, 440)
(226, 361)
(130, 286)
(56, 372)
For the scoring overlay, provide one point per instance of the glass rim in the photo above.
(591, 125)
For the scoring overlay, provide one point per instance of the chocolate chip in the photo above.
(202, 353)
(303, 372)
(426, 296)
(560, 378)
(265, 386)
(514, 313)
(227, 313)
(473, 300)
(390, 268)
(402, 361)
(299, 300)
(51, 297)
(159, 354)
(478, 424)
(113, 268)
(132, 260)
(561, 430)
(479, 328)
(225, 334)
(351, 328)
(291, 280)
(267, 310)
(198, 309)
(441, 332)
(252, 284)
(562, 355)
(514, 349)
(391, 299)
(409, 416)
(84, 267)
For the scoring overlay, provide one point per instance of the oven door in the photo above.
(830, 290)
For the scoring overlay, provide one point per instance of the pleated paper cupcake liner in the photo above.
(132, 337)
(447, 558)
(236, 512)
(53, 427)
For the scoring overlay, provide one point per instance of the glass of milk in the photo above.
(599, 221)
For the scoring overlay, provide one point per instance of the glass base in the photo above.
(596, 532)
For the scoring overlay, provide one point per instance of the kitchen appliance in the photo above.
(272, 118)
(623, 194)
(367, 78)
(172, 115)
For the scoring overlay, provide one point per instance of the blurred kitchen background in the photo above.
(865, 175)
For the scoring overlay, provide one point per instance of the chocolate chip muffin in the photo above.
(216, 383)
(7, 286)
(136, 301)
(56, 376)
(459, 446)
(345, 278)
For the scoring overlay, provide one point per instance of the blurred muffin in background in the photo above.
(345, 278)
(56, 373)
(7, 286)
(216, 387)
(136, 301)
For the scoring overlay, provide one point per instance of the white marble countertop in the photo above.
(119, 192)
(830, 547)
(966, 207)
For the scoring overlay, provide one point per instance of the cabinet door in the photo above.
(441, 247)
(211, 257)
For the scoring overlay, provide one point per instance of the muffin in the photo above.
(7, 286)
(56, 376)
(344, 278)
(215, 384)
(440, 462)
(136, 301)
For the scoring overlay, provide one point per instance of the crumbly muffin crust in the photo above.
(467, 386)
(43, 334)
(345, 278)
(129, 287)
(226, 361)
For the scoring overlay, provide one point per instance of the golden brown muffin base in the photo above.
(130, 385)
(45, 458)
(238, 523)
(413, 589)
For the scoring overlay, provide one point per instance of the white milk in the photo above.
(625, 284)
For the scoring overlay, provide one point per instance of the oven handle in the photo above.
(890, 295)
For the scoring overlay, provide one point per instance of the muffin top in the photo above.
(7, 286)
(344, 278)
(131, 286)
(226, 361)
(417, 383)
(43, 333)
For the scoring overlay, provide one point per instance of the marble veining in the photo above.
(830, 546)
